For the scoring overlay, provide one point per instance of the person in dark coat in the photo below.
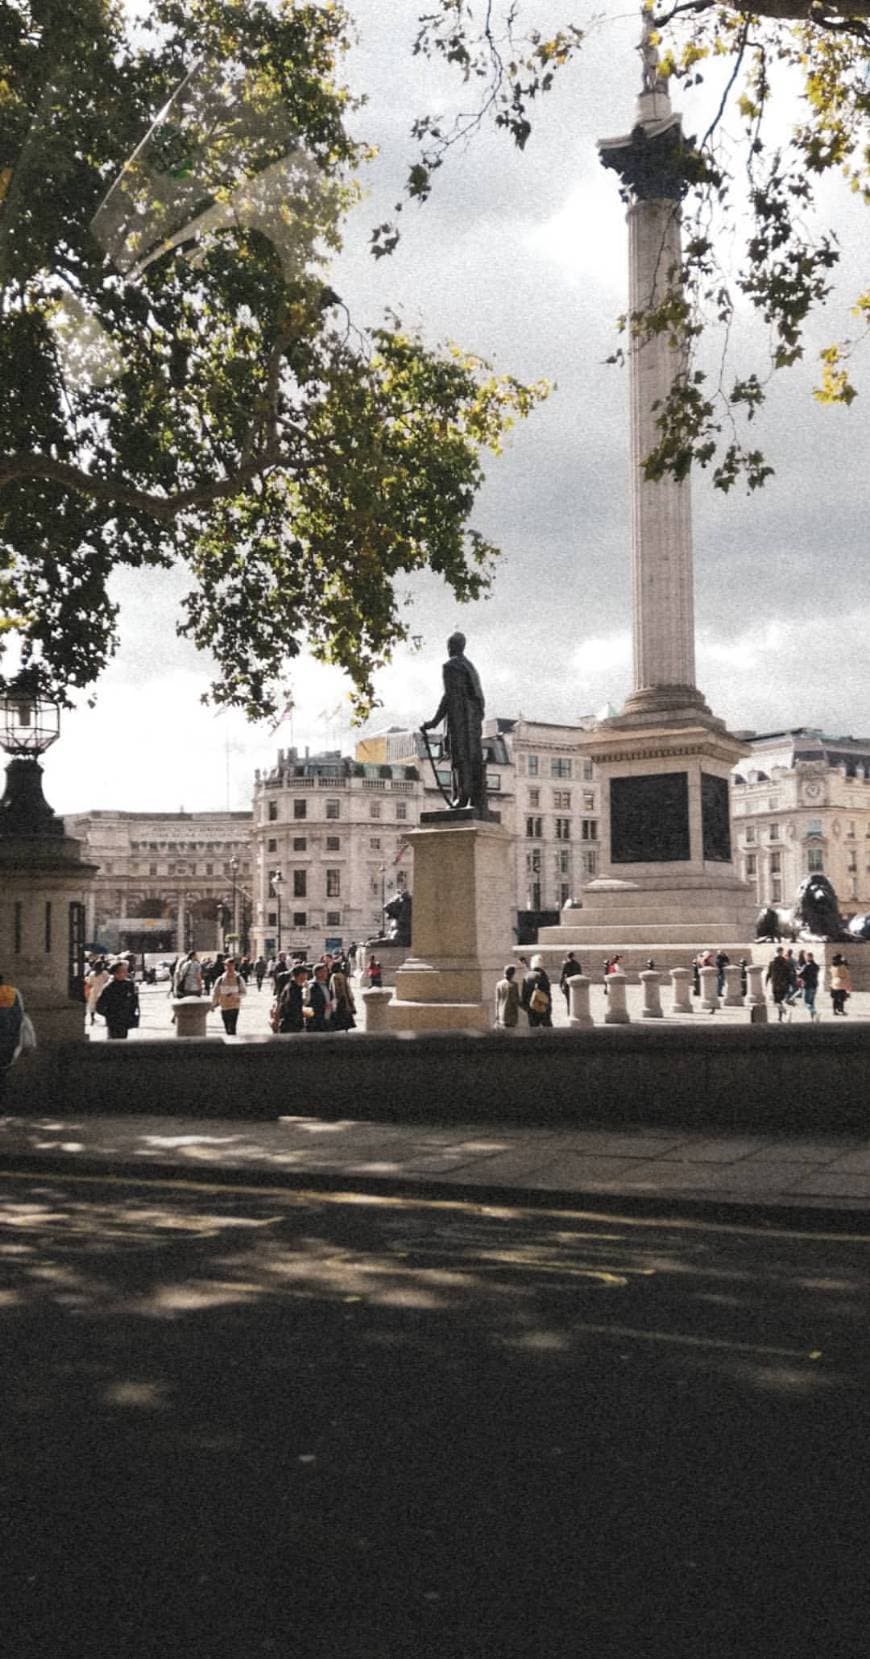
(119, 1001)
(319, 1000)
(536, 987)
(570, 970)
(778, 977)
(292, 1001)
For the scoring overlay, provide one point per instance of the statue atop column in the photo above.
(462, 708)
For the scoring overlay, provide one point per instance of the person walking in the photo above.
(227, 994)
(260, 971)
(537, 998)
(507, 1000)
(119, 1001)
(723, 961)
(344, 1007)
(793, 992)
(778, 976)
(289, 1013)
(319, 1001)
(16, 1030)
(374, 974)
(188, 976)
(840, 982)
(569, 970)
(95, 984)
(808, 980)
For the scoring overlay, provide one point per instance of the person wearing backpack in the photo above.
(188, 976)
(537, 998)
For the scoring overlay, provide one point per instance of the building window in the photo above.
(401, 809)
(560, 768)
(564, 894)
(272, 919)
(374, 809)
(333, 884)
(774, 832)
(563, 863)
(300, 844)
(300, 884)
(590, 863)
(750, 834)
(815, 860)
(333, 844)
(751, 864)
(776, 892)
(588, 771)
(333, 918)
(333, 809)
(271, 845)
(853, 861)
(589, 800)
(152, 869)
(531, 766)
(273, 812)
(300, 918)
(563, 829)
(300, 809)
(534, 828)
(493, 783)
(209, 869)
(589, 829)
(534, 797)
(375, 843)
(562, 800)
(533, 862)
(775, 863)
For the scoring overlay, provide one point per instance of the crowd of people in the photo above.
(318, 996)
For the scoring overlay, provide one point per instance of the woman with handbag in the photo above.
(227, 995)
(537, 998)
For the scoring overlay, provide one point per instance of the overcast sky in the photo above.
(524, 260)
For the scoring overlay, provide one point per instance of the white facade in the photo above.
(166, 880)
(555, 814)
(801, 805)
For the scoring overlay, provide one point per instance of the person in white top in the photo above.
(227, 995)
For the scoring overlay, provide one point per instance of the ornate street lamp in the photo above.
(29, 724)
(234, 870)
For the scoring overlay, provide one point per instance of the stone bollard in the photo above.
(190, 1016)
(709, 995)
(733, 997)
(376, 1005)
(652, 999)
(681, 979)
(617, 1013)
(755, 998)
(578, 1003)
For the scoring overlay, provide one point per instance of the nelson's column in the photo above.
(667, 884)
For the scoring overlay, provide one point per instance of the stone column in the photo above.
(578, 1005)
(709, 995)
(681, 979)
(652, 1001)
(756, 1001)
(191, 1014)
(617, 1013)
(733, 997)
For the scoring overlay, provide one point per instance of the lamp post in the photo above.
(234, 870)
(277, 881)
(383, 876)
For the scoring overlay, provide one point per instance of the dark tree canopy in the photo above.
(181, 383)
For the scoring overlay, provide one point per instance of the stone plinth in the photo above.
(462, 903)
(44, 885)
(390, 957)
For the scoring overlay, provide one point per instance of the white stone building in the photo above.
(801, 804)
(556, 808)
(166, 880)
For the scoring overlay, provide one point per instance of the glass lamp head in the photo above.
(29, 723)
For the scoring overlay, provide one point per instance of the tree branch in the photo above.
(15, 468)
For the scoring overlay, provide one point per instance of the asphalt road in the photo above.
(258, 1422)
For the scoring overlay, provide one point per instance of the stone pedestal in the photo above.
(44, 886)
(191, 1014)
(681, 980)
(733, 997)
(376, 1003)
(390, 957)
(652, 1000)
(578, 1003)
(755, 998)
(463, 886)
(709, 994)
(617, 1013)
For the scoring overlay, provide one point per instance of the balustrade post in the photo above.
(578, 1003)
